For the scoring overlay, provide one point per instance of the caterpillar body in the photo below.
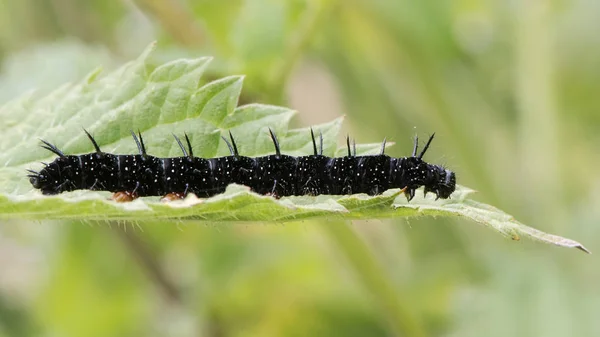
(278, 175)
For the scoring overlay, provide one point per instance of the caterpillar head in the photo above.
(52, 179)
(433, 178)
(440, 181)
(42, 181)
(414, 173)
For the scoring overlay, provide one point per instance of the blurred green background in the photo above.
(511, 89)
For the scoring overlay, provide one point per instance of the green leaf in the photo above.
(167, 99)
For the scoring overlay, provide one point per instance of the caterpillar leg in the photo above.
(409, 193)
(124, 196)
(427, 190)
(273, 192)
(173, 196)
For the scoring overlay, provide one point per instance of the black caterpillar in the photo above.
(277, 175)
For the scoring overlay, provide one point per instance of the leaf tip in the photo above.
(149, 49)
(93, 75)
(583, 249)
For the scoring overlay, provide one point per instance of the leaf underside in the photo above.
(171, 98)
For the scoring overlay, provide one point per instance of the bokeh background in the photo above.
(511, 89)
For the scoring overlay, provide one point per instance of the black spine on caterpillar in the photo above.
(278, 175)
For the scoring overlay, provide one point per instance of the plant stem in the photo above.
(298, 44)
(403, 322)
(176, 20)
(149, 263)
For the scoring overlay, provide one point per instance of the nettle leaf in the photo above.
(159, 101)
